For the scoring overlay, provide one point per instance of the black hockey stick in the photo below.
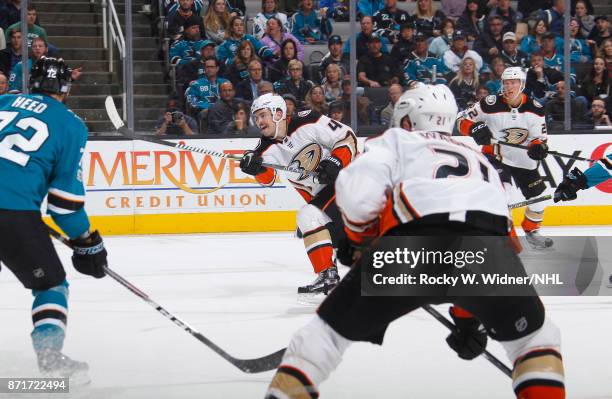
(258, 365)
(555, 153)
(530, 201)
(486, 354)
(117, 122)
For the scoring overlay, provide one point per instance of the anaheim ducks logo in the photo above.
(515, 135)
(307, 159)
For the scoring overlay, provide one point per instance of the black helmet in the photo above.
(50, 75)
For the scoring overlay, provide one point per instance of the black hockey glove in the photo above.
(345, 252)
(469, 339)
(481, 134)
(89, 256)
(537, 150)
(328, 169)
(250, 163)
(574, 181)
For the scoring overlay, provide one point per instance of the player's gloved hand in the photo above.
(537, 150)
(328, 169)
(345, 252)
(574, 181)
(469, 339)
(481, 134)
(250, 163)
(89, 256)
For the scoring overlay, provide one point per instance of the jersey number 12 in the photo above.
(41, 133)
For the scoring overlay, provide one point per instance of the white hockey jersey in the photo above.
(402, 176)
(519, 125)
(311, 137)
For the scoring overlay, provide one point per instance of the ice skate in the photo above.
(55, 364)
(610, 281)
(321, 286)
(537, 241)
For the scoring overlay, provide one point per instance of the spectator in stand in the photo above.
(39, 49)
(280, 69)
(216, 20)
(239, 69)
(240, 123)
(554, 17)
(338, 10)
(369, 7)
(189, 46)
(13, 12)
(422, 66)
(531, 8)
(3, 84)
(174, 122)
(555, 108)
(601, 31)
(310, 26)
(453, 8)
(579, 49)
(366, 115)
(315, 100)
(532, 43)
(233, 37)
(509, 16)
(367, 30)
(334, 56)
(376, 69)
(482, 92)
(336, 110)
(204, 92)
(598, 115)
(586, 20)
(512, 56)
(11, 55)
(597, 82)
(275, 36)
(386, 115)
(552, 58)
(402, 49)
(472, 20)
(541, 80)
(440, 44)
(292, 104)
(490, 43)
(221, 113)
(465, 83)
(458, 52)
(264, 87)
(34, 30)
(269, 9)
(177, 19)
(171, 6)
(332, 82)
(388, 20)
(427, 21)
(605, 52)
(494, 84)
(247, 89)
(295, 83)
(195, 69)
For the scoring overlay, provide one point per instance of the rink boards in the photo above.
(136, 187)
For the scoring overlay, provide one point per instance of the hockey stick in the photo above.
(258, 365)
(117, 122)
(555, 153)
(486, 354)
(530, 201)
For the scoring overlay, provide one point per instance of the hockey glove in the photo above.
(481, 134)
(574, 181)
(345, 252)
(89, 256)
(469, 339)
(328, 169)
(537, 150)
(250, 163)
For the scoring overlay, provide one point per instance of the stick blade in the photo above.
(112, 112)
(261, 364)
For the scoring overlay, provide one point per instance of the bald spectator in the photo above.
(3, 84)
(386, 115)
(264, 87)
(221, 114)
(367, 30)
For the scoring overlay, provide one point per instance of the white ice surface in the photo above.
(239, 290)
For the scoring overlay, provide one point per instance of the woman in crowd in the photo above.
(427, 21)
(532, 42)
(310, 25)
(597, 81)
(280, 69)
(269, 9)
(465, 83)
(471, 22)
(235, 35)
(579, 49)
(295, 83)
(216, 21)
(587, 21)
(332, 83)
(442, 43)
(239, 69)
(275, 36)
(494, 84)
(605, 52)
(315, 100)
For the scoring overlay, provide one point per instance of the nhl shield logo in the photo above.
(515, 135)
(307, 159)
(521, 324)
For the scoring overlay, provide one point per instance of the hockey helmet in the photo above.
(429, 107)
(514, 73)
(50, 75)
(272, 102)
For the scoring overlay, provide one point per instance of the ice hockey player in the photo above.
(314, 143)
(513, 117)
(41, 145)
(441, 188)
(577, 180)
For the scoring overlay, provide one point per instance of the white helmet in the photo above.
(273, 103)
(514, 73)
(429, 107)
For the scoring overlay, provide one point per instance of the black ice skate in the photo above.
(55, 364)
(323, 284)
(610, 281)
(537, 241)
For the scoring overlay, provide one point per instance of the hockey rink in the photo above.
(239, 290)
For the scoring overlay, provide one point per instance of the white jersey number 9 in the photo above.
(41, 133)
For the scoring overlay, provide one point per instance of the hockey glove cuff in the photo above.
(469, 339)
(574, 181)
(89, 256)
(481, 134)
(537, 150)
(251, 163)
(328, 170)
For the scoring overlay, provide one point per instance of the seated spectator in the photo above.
(280, 69)
(387, 21)
(176, 19)
(453, 8)
(405, 45)
(552, 58)
(579, 49)
(239, 69)
(176, 123)
(332, 83)
(376, 69)
(334, 56)
(366, 115)
(598, 115)
(554, 17)
(233, 37)
(490, 43)
(422, 66)
(292, 104)
(465, 83)
(472, 20)
(275, 36)
(386, 115)
(240, 123)
(13, 12)
(216, 20)
(269, 9)
(34, 30)
(11, 55)
(532, 43)
(482, 92)
(309, 25)
(264, 87)
(194, 70)
(509, 16)
(458, 52)
(367, 29)
(555, 108)
(295, 83)
(315, 100)
(597, 82)
(39, 49)
(440, 44)
(427, 21)
(3, 84)
(606, 52)
(585, 19)
(541, 80)
(338, 10)
(512, 56)
(247, 88)
(494, 84)
(171, 6)
(601, 31)
(188, 47)
(221, 113)
(336, 110)
(369, 7)
(204, 92)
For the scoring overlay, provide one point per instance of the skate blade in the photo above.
(311, 299)
(77, 379)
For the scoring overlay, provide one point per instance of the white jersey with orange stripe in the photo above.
(405, 175)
